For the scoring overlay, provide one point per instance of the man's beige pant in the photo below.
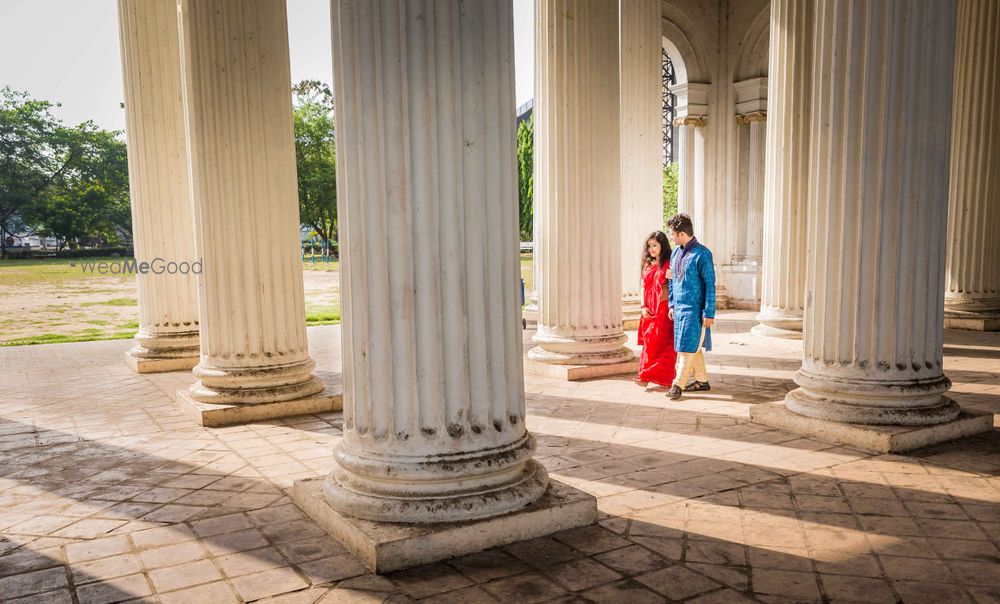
(691, 364)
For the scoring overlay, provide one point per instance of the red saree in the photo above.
(657, 363)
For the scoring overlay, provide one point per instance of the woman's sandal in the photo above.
(698, 387)
(639, 382)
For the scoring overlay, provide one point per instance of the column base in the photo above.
(877, 439)
(767, 331)
(140, 364)
(573, 373)
(386, 546)
(972, 323)
(213, 415)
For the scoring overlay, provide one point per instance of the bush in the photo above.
(670, 174)
(106, 252)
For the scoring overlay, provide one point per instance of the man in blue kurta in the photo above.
(692, 305)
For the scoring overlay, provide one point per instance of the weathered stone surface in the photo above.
(879, 439)
(384, 547)
(222, 414)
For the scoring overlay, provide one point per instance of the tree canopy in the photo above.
(66, 181)
(315, 159)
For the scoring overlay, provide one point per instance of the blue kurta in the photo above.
(693, 295)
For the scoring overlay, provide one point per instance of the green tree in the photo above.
(32, 156)
(71, 182)
(670, 191)
(315, 159)
(525, 176)
(89, 201)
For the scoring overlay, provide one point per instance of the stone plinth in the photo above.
(212, 415)
(573, 373)
(385, 547)
(160, 364)
(879, 439)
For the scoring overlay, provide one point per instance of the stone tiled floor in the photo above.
(107, 493)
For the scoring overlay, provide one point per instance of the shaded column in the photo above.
(641, 140)
(876, 226)
(786, 172)
(239, 118)
(577, 184)
(972, 294)
(162, 222)
(434, 417)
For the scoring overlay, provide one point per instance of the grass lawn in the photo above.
(50, 300)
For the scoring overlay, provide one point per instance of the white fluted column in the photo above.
(577, 184)
(972, 294)
(641, 140)
(756, 122)
(162, 224)
(878, 197)
(786, 173)
(239, 121)
(427, 190)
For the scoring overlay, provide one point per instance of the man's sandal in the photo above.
(674, 393)
(697, 386)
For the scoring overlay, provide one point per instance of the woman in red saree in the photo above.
(657, 363)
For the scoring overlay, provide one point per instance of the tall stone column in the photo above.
(434, 419)
(237, 85)
(162, 224)
(641, 141)
(756, 123)
(577, 184)
(876, 237)
(786, 173)
(972, 293)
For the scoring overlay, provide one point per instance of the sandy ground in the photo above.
(46, 303)
(64, 305)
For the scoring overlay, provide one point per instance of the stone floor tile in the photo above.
(157, 537)
(59, 596)
(843, 588)
(268, 583)
(581, 574)
(311, 549)
(677, 582)
(332, 569)
(429, 580)
(184, 575)
(114, 590)
(525, 588)
(236, 542)
(542, 552)
(592, 539)
(955, 549)
(26, 560)
(623, 591)
(631, 560)
(985, 595)
(254, 561)
(785, 583)
(215, 593)
(106, 568)
(34, 582)
(465, 595)
(488, 565)
(173, 555)
(975, 573)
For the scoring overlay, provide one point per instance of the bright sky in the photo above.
(67, 51)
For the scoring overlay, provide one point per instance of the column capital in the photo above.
(751, 118)
(751, 95)
(698, 121)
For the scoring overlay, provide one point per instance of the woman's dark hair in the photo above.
(660, 238)
(682, 224)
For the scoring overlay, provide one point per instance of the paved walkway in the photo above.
(108, 493)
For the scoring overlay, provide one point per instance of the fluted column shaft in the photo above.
(577, 183)
(789, 93)
(878, 205)
(641, 137)
(973, 275)
(756, 122)
(427, 192)
(239, 117)
(162, 223)
(691, 169)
